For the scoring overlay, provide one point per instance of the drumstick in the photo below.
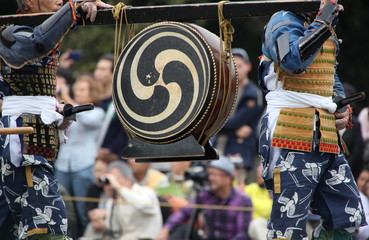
(16, 130)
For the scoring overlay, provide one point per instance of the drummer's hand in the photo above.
(65, 124)
(342, 119)
(91, 8)
(323, 2)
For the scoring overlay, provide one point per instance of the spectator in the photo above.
(363, 118)
(76, 158)
(262, 206)
(179, 190)
(112, 138)
(178, 186)
(146, 176)
(364, 121)
(69, 57)
(96, 190)
(64, 78)
(97, 211)
(240, 130)
(363, 186)
(219, 224)
(137, 214)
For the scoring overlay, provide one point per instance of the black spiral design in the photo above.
(163, 82)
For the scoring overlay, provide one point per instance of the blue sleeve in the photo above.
(338, 87)
(91, 119)
(27, 44)
(245, 116)
(288, 23)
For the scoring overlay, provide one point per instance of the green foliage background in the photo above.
(353, 29)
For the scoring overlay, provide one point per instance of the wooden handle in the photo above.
(16, 130)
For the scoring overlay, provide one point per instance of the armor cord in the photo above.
(119, 12)
(226, 31)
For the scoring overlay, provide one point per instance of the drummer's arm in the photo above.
(21, 44)
(281, 42)
(291, 45)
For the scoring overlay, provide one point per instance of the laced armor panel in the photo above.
(318, 78)
(32, 80)
(45, 139)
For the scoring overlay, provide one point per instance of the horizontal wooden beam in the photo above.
(181, 13)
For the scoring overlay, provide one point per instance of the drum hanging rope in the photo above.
(226, 37)
(226, 31)
(119, 12)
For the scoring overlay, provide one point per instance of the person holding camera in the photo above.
(219, 223)
(134, 211)
(240, 130)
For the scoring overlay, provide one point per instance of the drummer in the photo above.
(30, 203)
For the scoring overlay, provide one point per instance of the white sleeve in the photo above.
(141, 198)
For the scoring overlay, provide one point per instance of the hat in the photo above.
(123, 168)
(223, 164)
(241, 53)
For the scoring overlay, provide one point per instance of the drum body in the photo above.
(167, 84)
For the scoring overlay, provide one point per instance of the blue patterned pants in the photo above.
(29, 193)
(303, 181)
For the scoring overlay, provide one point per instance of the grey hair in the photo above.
(123, 168)
(20, 4)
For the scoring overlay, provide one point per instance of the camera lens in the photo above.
(103, 180)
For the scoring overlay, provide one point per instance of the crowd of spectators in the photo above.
(112, 198)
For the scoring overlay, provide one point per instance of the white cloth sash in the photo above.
(44, 106)
(14, 106)
(283, 98)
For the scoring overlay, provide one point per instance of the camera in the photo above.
(197, 174)
(237, 161)
(76, 55)
(103, 180)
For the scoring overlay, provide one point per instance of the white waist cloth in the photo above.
(14, 106)
(282, 98)
(41, 105)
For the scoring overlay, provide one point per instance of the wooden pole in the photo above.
(16, 130)
(181, 13)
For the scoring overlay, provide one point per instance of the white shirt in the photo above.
(80, 151)
(139, 214)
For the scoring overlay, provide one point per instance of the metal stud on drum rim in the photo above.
(164, 82)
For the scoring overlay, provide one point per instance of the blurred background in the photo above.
(352, 29)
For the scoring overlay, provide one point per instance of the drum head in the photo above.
(164, 82)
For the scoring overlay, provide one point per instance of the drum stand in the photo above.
(187, 149)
